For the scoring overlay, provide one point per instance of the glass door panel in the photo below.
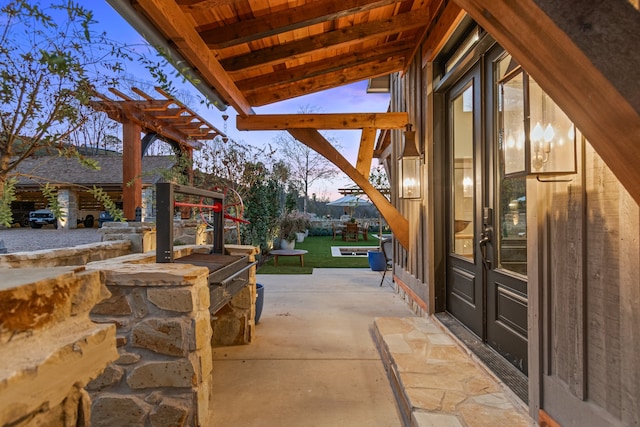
(464, 186)
(512, 200)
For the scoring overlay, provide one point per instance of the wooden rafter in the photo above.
(317, 68)
(177, 27)
(337, 38)
(197, 5)
(446, 23)
(253, 29)
(324, 81)
(254, 53)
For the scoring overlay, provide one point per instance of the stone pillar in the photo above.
(234, 324)
(164, 373)
(68, 201)
(49, 347)
(148, 196)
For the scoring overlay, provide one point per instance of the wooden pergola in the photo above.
(167, 119)
(255, 52)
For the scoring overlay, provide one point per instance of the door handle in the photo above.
(485, 238)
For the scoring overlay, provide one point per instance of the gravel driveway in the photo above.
(29, 239)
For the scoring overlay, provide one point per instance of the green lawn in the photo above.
(319, 256)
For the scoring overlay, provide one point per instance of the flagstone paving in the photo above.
(438, 384)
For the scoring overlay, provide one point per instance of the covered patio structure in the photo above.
(252, 53)
(575, 292)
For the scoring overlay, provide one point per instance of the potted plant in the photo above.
(291, 225)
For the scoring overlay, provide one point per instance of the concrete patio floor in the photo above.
(315, 361)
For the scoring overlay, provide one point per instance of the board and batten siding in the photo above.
(591, 298)
(412, 266)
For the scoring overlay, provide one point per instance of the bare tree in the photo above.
(97, 133)
(306, 166)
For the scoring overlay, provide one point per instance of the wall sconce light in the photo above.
(409, 167)
(537, 137)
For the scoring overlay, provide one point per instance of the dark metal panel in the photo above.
(164, 215)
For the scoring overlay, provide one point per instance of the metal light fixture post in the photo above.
(409, 167)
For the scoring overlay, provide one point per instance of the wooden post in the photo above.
(131, 168)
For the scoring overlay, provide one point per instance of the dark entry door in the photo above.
(465, 288)
(486, 230)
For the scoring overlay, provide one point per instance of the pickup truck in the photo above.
(42, 217)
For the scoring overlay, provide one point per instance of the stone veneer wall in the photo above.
(49, 348)
(234, 323)
(164, 373)
(77, 255)
(143, 234)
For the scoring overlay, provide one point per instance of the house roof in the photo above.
(33, 172)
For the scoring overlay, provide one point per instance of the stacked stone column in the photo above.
(164, 373)
(234, 324)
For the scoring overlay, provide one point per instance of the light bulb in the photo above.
(537, 133)
(548, 133)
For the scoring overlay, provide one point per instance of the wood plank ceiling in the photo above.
(256, 52)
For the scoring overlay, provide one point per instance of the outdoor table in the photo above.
(288, 252)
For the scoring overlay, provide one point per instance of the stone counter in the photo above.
(49, 347)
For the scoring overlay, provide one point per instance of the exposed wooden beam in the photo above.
(336, 121)
(339, 37)
(398, 223)
(604, 116)
(365, 152)
(294, 18)
(434, 7)
(445, 25)
(197, 5)
(320, 67)
(342, 77)
(169, 18)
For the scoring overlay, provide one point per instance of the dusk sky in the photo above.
(348, 99)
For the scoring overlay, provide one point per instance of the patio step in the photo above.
(437, 383)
